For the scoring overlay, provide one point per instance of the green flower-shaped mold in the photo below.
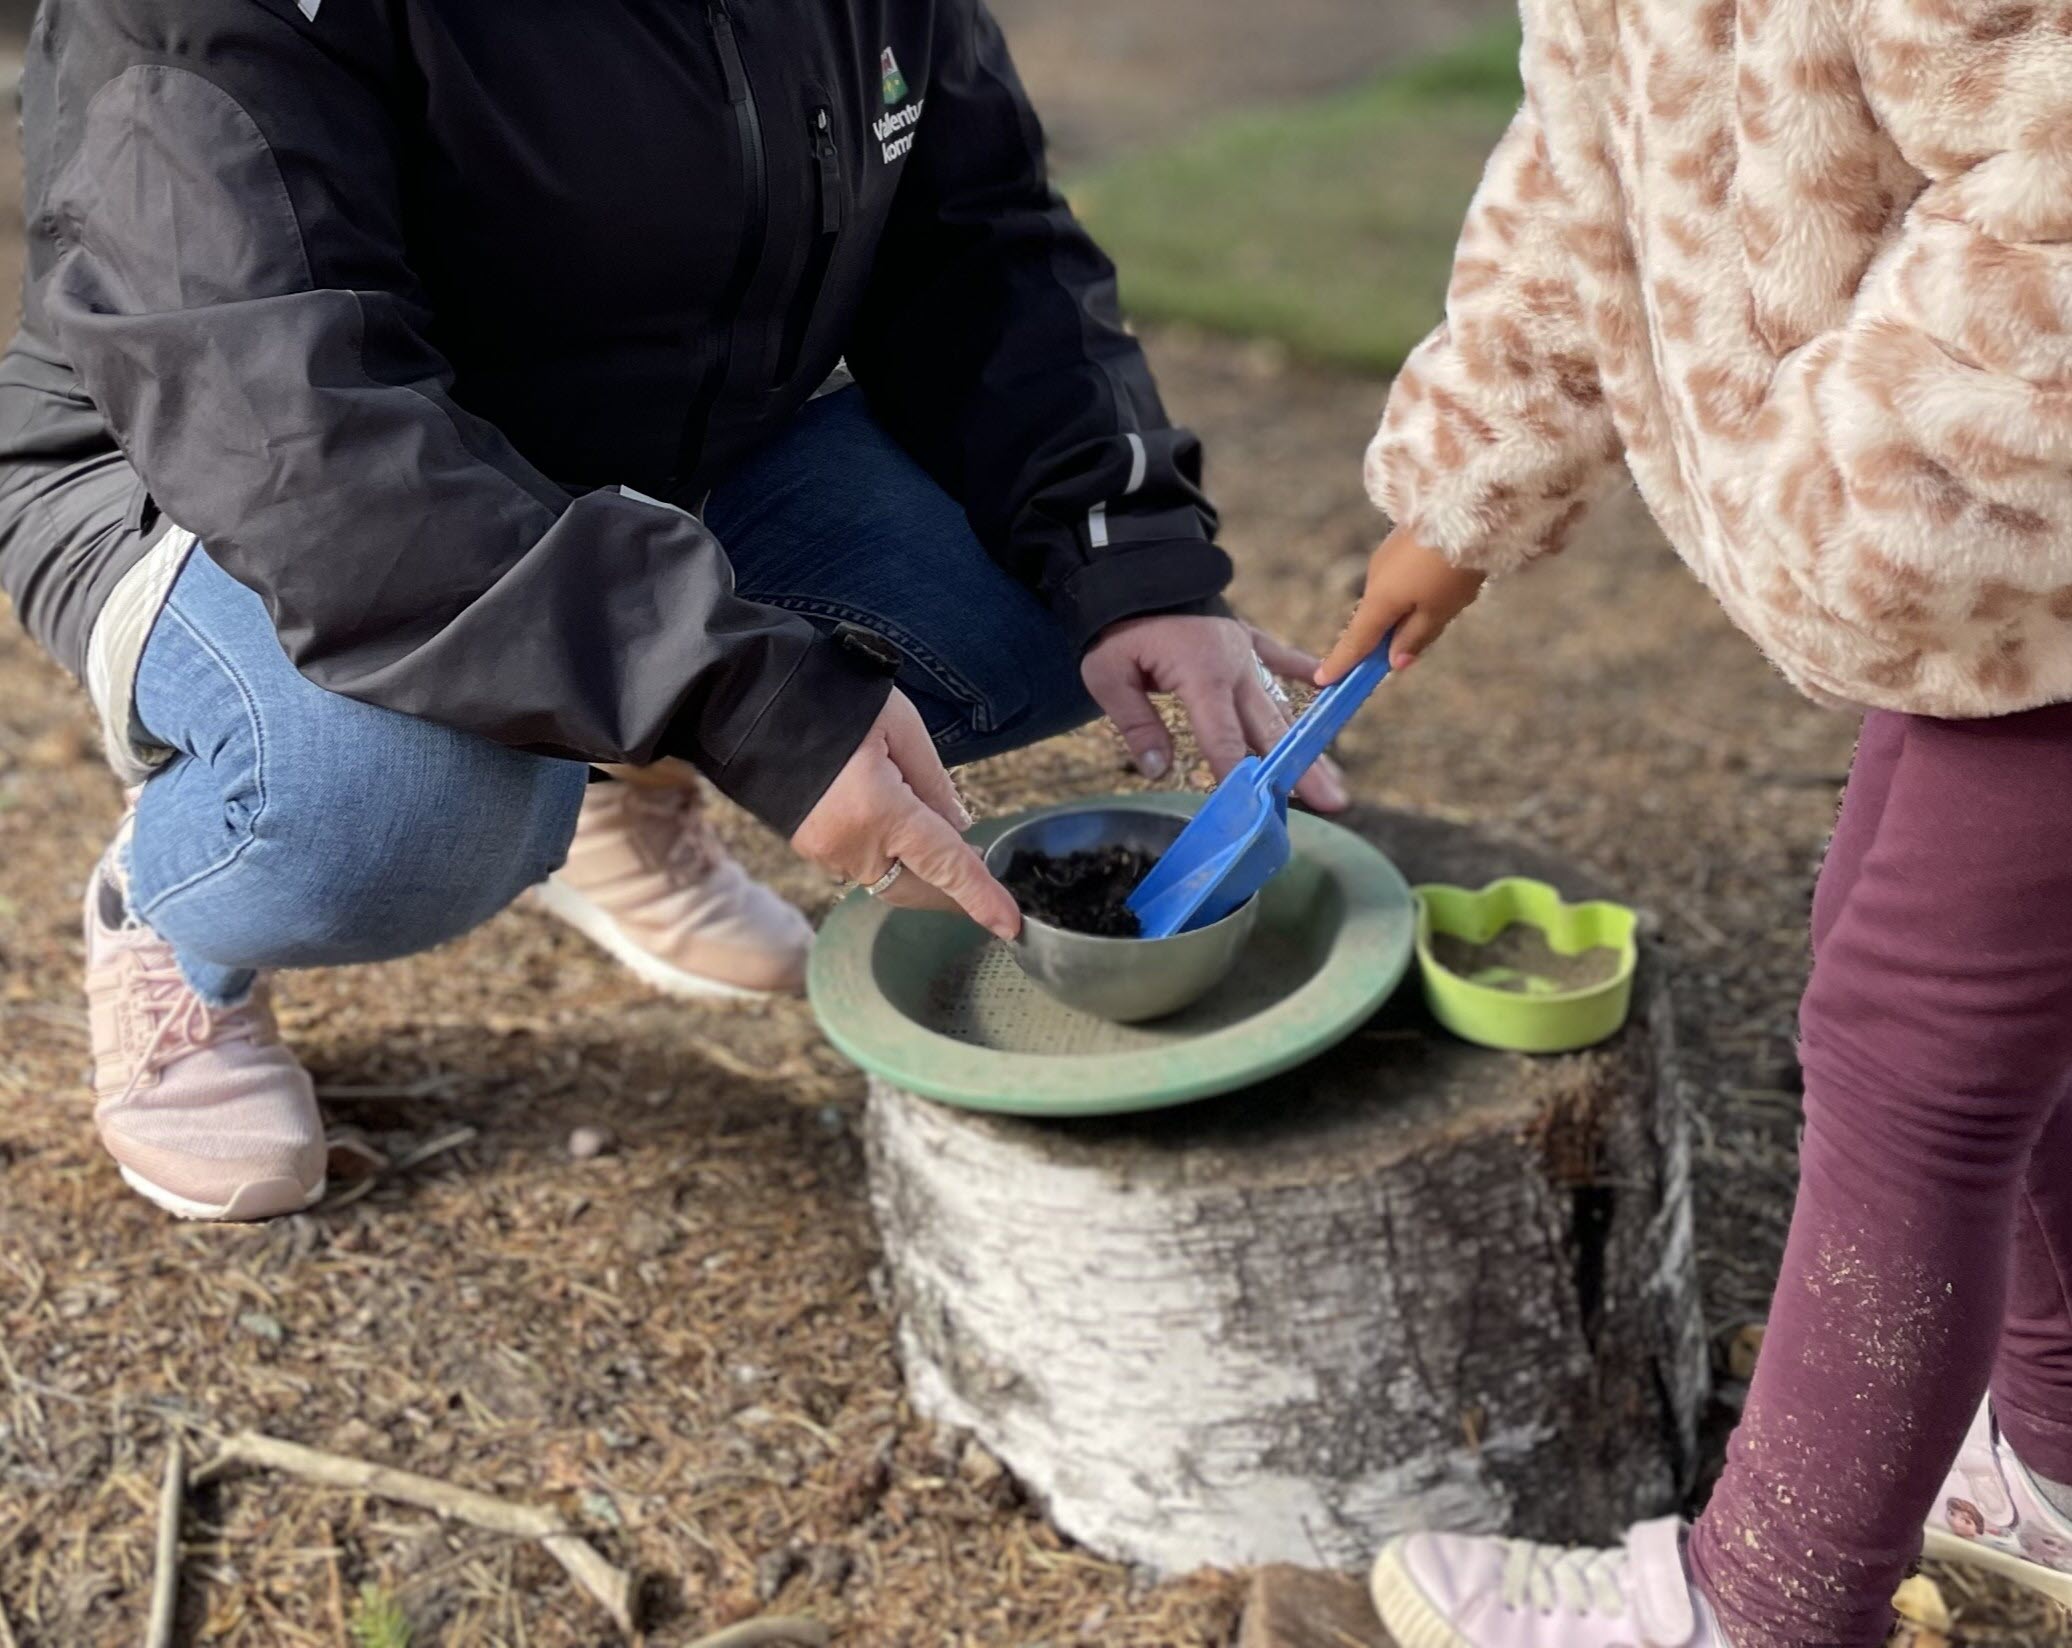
(1543, 1017)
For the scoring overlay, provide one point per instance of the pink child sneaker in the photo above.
(1991, 1515)
(204, 1111)
(1454, 1591)
(648, 880)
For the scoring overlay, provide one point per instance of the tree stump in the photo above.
(1414, 1284)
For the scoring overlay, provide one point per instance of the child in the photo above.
(1806, 266)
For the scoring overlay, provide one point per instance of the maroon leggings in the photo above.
(1931, 1249)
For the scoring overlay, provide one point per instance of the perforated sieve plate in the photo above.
(934, 1005)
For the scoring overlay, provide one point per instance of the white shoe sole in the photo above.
(261, 1199)
(1404, 1608)
(1945, 1546)
(1414, 1623)
(595, 924)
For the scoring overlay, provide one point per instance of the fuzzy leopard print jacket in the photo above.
(1804, 267)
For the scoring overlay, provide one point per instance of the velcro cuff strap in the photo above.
(1661, 1587)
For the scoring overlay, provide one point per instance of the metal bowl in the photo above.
(1123, 980)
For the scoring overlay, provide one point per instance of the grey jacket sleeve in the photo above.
(232, 290)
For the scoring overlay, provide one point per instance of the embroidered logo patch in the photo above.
(895, 130)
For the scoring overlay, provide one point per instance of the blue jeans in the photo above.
(298, 828)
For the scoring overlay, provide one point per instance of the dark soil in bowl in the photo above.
(1521, 954)
(1080, 892)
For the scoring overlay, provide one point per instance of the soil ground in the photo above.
(1081, 892)
(676, 1340)
(1521, 960)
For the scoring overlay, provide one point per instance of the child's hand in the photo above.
(1412, 590)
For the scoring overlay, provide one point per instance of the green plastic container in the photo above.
(1543, 1017)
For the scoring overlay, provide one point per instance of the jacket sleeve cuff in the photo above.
(1179, 575)
(1492, 486)
(806, 733)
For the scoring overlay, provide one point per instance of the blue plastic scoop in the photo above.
(1238, 842)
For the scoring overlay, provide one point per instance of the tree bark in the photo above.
(1414, 1284)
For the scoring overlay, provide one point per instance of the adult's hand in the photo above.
(894, 800)
(1212, 665)
(1411, 589)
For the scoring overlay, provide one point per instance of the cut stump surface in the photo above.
(1413, 1284)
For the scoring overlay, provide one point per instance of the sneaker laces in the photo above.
(672, 826)
(182, 1020)
(1547, 1577)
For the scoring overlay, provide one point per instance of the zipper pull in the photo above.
(729, 52)
(830, 172)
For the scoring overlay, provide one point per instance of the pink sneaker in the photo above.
(648, 880)
(204, 1111)
(1992, 1515)
(1453, 1591)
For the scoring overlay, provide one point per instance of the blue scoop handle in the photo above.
(1323, 721)
(1239, 840)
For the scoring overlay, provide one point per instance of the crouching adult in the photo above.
(420, 408)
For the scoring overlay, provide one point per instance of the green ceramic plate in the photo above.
(932, 1005)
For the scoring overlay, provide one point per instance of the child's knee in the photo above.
(1914, 1102)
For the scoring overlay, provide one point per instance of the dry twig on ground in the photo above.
(612, 1587)
(756, 1633)
(165, 1573)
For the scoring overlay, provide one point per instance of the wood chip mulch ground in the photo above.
(674, 1337)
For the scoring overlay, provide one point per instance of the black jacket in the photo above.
(388, 302)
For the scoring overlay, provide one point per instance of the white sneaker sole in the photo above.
(1404, 1608)
(565, 904)
(261, 1199)
(1414, 1623)
(1945, 1546)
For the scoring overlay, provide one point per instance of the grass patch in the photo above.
(378, 1620)
(1327, 225)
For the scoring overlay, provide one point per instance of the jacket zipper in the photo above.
(755, 223)
(821, 258)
